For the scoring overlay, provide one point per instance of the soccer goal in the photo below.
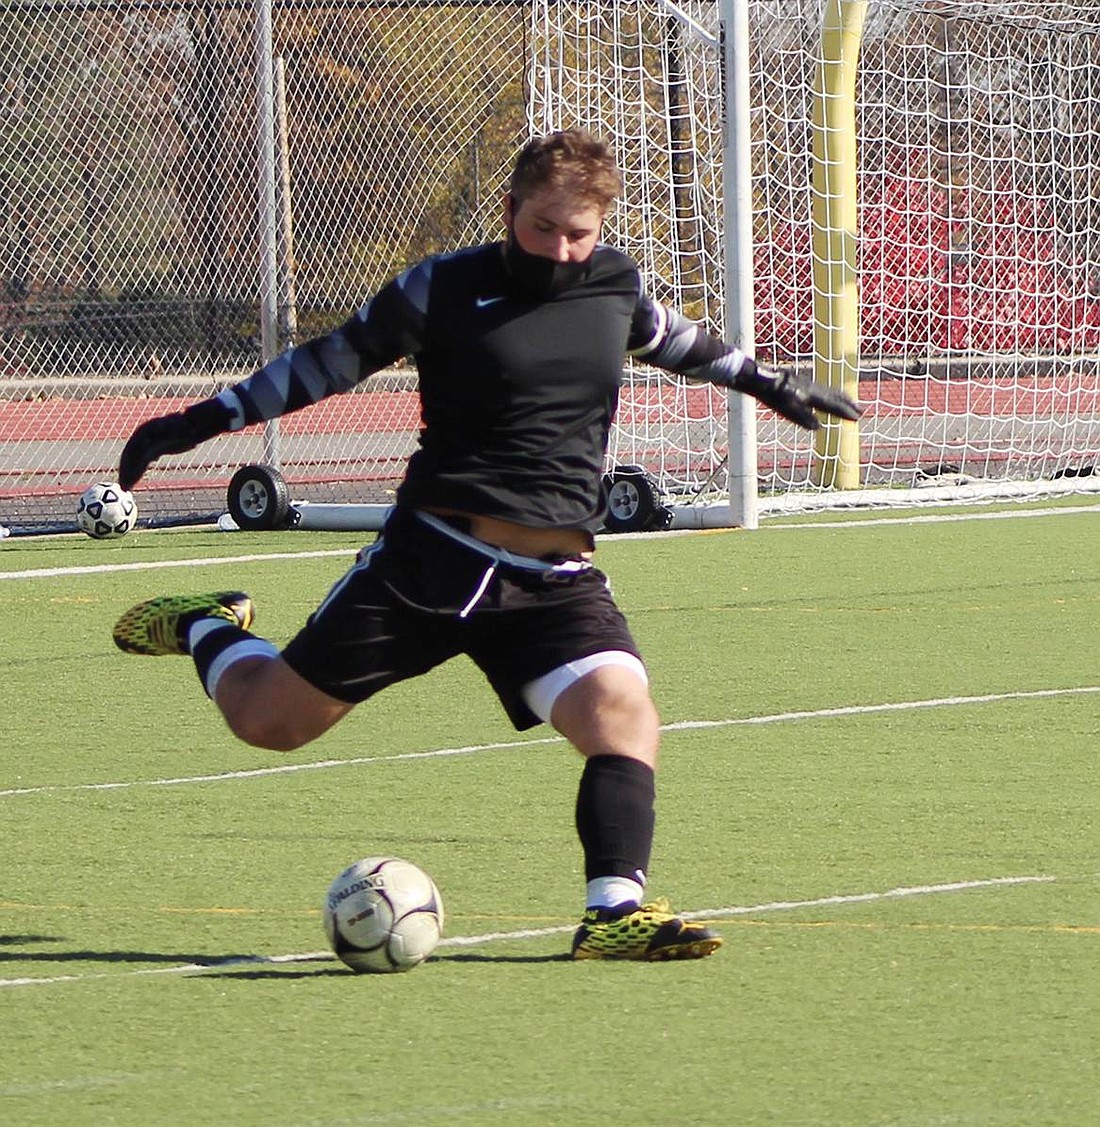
(900, 197)
(960, 141)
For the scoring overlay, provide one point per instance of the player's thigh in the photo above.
(609, 711)
(363, 638)
(547, 631)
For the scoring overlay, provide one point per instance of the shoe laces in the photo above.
(658, 907)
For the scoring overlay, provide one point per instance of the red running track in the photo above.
(112, 419)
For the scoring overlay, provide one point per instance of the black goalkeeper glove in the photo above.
(170, 434)
(794, 397)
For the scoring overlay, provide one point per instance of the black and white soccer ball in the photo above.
(106, 511)
(383, 915)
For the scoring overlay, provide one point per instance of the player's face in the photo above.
(554, 225)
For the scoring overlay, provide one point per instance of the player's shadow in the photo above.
(245, 974)
(286, 975)
(236, 966)
(14, 956)
(470, 957)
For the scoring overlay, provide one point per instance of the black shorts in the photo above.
(417, 597)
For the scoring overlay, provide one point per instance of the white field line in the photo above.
(288, 769)
(867, 709)
(771, 522)
(152, 565)
(922, 518)
(937, 518)
(473, 749)
(541, 932)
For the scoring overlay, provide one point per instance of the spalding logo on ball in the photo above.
(383, 915)
(106, 511)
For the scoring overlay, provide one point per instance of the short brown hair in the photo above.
(571, 160)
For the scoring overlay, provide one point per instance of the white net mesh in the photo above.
(132, 222)
(649, 76)
(978, 128)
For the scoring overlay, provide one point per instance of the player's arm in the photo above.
(667, 339)
(388, 327)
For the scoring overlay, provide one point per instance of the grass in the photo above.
(783, 819)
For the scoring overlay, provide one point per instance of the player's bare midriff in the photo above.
(520, 538)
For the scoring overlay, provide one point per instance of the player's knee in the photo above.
(271, 727)
(266, 705)
(636, 713)
(609, 712)
(623, 698)
(263, 730)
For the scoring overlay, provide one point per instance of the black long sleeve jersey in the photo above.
(517, 392)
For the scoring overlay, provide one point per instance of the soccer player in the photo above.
(488, 551)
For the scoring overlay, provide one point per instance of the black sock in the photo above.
(615, 817)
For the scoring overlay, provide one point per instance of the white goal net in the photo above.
(170, 171)
(978, 132)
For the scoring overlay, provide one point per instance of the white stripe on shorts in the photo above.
(540, 694)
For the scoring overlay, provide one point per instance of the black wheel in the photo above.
(258, 499)
(632, 504)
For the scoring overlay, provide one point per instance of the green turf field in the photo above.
(879, 782)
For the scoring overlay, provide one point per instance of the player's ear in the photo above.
(509, 209)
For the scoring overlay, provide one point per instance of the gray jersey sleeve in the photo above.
(667, 339)
(386, 328)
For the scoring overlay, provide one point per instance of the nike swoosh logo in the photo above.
(482, 302)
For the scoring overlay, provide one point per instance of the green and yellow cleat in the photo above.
(651, 933)
(159, 626)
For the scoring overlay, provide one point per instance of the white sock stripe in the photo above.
(202, 627)
(610, 892)
(247, 647)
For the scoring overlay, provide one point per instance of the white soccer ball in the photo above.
(382, 915)
(106, 511)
